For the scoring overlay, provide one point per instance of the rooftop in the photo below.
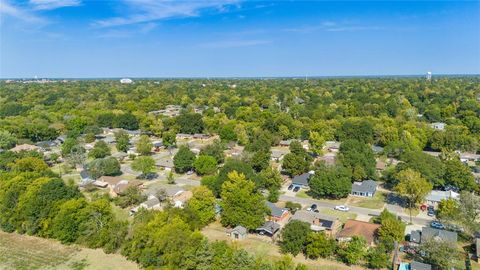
(443, 235)
(359, 228)
(364, 186)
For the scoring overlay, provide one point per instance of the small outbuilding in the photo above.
(238, 233)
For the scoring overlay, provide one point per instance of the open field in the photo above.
(23, 252)
(264, 247)
(377, 202)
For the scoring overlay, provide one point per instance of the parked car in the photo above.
(290, 187)
(296, 189)
(342, 208)
(313, 206)
(437, 225)
(431, 211)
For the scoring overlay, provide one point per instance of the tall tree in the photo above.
(202, 204)
(184, 159)
(413, 187)
(358, 157)
(241, 203)
(294, 236)
(144, 164)
(144, 145)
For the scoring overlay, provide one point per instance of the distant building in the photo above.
(429, 76)
(238, 233)
(438, 125)
(126, 81)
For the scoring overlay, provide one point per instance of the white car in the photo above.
(342, 208)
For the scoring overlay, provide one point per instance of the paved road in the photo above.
(353, 209)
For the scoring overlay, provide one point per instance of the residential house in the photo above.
(380, 166)
(353, 228)
(469, 158)
(180, 199)
(278, 154)
(435, 196)
(365, 188)
(438, 235)
(25, 147)
(199, 136)
(432, 153)
(438, 126)
(157, 145)
(377, 149)
(277, 214)
(238, 233)
(85, 177)
(269, 228)
(152, 203)
(328, 158)
(332, 146)
(123, 185)
(414, 265)
(184, 136)
(317, 221)
(165, 162)
(415, 236)
(285, 143)
(301, 180)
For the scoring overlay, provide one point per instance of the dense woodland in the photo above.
(394, 113)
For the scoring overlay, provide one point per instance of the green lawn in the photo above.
(342, 216)
(377, 202)
(302, 194)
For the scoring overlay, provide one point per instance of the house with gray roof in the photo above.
(365, 188)
(238, 233)
(438, 235)
(438, 126)
(301, 180)
(268, 228)
(436, 196)
(277, 213)
(414, 265)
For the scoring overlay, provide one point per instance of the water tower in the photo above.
(429, 76)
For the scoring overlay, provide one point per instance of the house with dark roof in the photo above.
(436, 196)
(416, 236)
(276, 213)
(414, 265)
(301, 180)
(365, 188)
(438, 235)
(268, 228)
(369, 231)
(318, 222)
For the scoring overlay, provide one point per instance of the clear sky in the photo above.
(173, 38)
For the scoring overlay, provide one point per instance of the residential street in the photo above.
(356, 210)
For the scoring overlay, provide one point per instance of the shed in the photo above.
(239, 233)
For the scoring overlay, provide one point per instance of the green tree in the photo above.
(241, 204)
(68, 145)
(205, 165)
(123, 141)
(316, 142)
(442, 254)
(144, 164)
(144, 145)
(319, 245)
(202, 204)
(7, 140)
(331, 182)
(100, 150)
(67, 222)
(104, 166)
(429, 167)
(294, 236)
(447, 209)
(413, 187)
(377, 258)
(132, 196)
(215, 150)
(231, 165)
(169, 138)
(170, 178)
(358, 157)
(190, 123)
(459, 175)
(357, 129)
(184, 159)
(353, 251)
(126, 121)
(392, 229)
(29, 164)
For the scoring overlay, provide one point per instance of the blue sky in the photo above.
(172, 38)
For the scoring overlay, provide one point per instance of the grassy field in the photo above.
(23, 252)
(377, 202)
(475, 266)
(342, 216)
